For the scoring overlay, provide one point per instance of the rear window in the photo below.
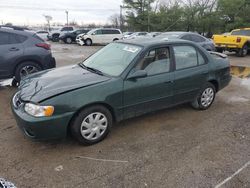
(37, 37)
(241, 32)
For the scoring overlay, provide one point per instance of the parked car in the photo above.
(71, 36)
(42, 34)
(23, 53)
(137, 35)
(237, 41)
(194, 37)
(126, 35)
(122, 80)
(54, 35)
(100, 36)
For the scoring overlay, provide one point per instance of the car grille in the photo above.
(17, 102)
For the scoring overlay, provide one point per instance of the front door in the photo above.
(153, 92)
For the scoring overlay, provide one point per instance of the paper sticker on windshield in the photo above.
(131, 49)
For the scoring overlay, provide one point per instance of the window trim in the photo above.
(196, 49)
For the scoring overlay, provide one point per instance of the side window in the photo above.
(186, 37)
(185, 57)
(99, 32)
(201, 59)
(115, 31)
(156, 61)
(105, 32)
(197, 38)
(4, 38)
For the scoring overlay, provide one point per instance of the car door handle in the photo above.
(13, 49)
(169, 82)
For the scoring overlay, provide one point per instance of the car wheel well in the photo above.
(215, 83)
(89, 105)
(27, 60)
(115, 39)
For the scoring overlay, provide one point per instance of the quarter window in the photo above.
(155, 62)
(187, 56)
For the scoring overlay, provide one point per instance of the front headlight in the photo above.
(38, 111)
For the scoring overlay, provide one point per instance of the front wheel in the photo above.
(68, 40)
(88, 42)
(205, 98)
(91, 125)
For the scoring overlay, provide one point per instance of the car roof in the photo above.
(25, 33)
(154, 42)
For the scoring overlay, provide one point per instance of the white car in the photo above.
(43, 34)
(101, 36)
(137, 35)
(80, 40)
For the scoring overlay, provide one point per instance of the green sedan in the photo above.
(122, 80)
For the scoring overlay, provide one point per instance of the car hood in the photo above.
(46, 84)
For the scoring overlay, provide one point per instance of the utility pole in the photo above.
(67, 17)
(121, 19)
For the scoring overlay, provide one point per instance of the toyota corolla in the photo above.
(122, 80)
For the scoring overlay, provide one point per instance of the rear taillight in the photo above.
(46, 46)
(238, 39)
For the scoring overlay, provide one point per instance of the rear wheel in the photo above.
(88, 42)
(243, 51)
(91, 125)
(25, 69)
(205, 98)
(68, 40)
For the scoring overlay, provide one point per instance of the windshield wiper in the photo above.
(91, 69)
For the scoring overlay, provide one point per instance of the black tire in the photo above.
(18, 71)
(198, 101)
(243, 51)
(220, 50)
(14, 83)
(88, 42)
(76, 124)
(68, 40)
(55, 38)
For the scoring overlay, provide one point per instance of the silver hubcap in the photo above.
(94, 126)
(88, 42)
(68, 40)
(29, 69)
(207, 97)
(245, 51)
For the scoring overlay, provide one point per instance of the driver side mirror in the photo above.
(138, 74)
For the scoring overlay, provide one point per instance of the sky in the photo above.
(81, 11)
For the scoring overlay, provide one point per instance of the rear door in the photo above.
(191, 72)
(11, 49)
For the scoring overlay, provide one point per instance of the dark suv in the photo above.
(23, 53)
(71, 36)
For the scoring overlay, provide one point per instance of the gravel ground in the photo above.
(177, 147)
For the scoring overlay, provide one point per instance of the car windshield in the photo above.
(113, 59)
(241, 32)
(91, 31)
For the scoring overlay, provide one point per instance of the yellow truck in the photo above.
(237, 41)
